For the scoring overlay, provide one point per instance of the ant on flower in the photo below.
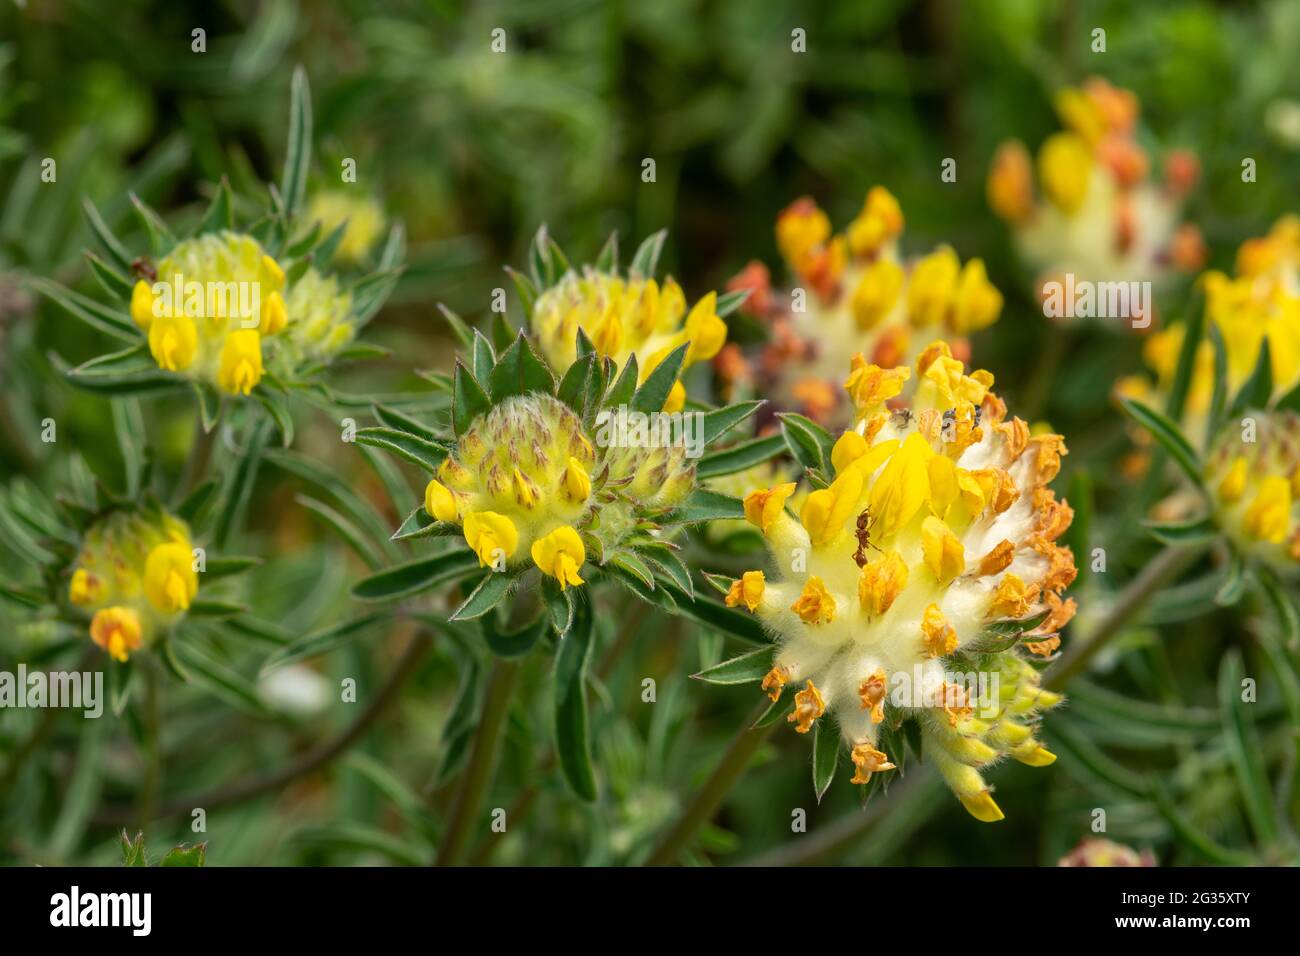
(863, 533)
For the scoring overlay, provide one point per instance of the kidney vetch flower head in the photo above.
(931, 549)
(858, 294)
(230, 310)
(135, 576)
(1100, 217)
(1261, 302)
(536, 475)
(623, 316)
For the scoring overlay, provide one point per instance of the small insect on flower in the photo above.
(1100, 219)
(135, 576)
(855, 293)
(927, 562)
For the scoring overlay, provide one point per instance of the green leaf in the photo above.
(468, 399)
(1168, 436)
(293, 184)
(561, 606)
(419, 524)
(705, 505)
(106, 319)
(1287, 614)
(396, 418)
(1182, 532)
(112, 245)
(1193, 332)
(210, 404)
(459, 729)
(132, 441)
(325, 640)
(580, 387)
(133, 850)
(808, 442)
(185, 855)
(1258, 389)
(350, 503)
(1245, 751)
(624, 386)
(1005, 634)
(731, 301)
(219, 680)
(517, 643)
(161, 239)
(653, 392)
(345, 529)
(712, 614)
(728, 461)
(239, 487)
(646, 260)
(1234, 585)
(607, 261)
(487, 594)
(207, 607)
(519, 371)
(1189, 834)
(485, 359)
(197, 504)
(1219, 394)
(540, 264)
(278, 409)
(225, 567)
(527, 291)
(748, 668)
(113, 281)
(719, 421)
(221, 214)
(370, 294)
(464, 334)
(826, 756)
(572, 745)
(415, 576)
(419, 451)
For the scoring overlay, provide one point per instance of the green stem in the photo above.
(478, 774)
(702, 806)
(1164, 568)
(148, 800)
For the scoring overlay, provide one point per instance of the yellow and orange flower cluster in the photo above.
(938, 522)
(136, 576)
(1262, 300)
(1100, 218)
(624, 317)
(525, 481)
(857, 294)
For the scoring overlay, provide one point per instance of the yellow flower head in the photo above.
(1098, 217)
(1262, 301)
(1253, 473)
(937, 522)
(525, 478)
(856, 294)
(220, 307)
(135, 575)
(623, 317)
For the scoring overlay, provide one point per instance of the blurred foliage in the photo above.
(472, 150)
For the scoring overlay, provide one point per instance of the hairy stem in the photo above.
(1161, 570)
(733, 764)
(478, 773)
